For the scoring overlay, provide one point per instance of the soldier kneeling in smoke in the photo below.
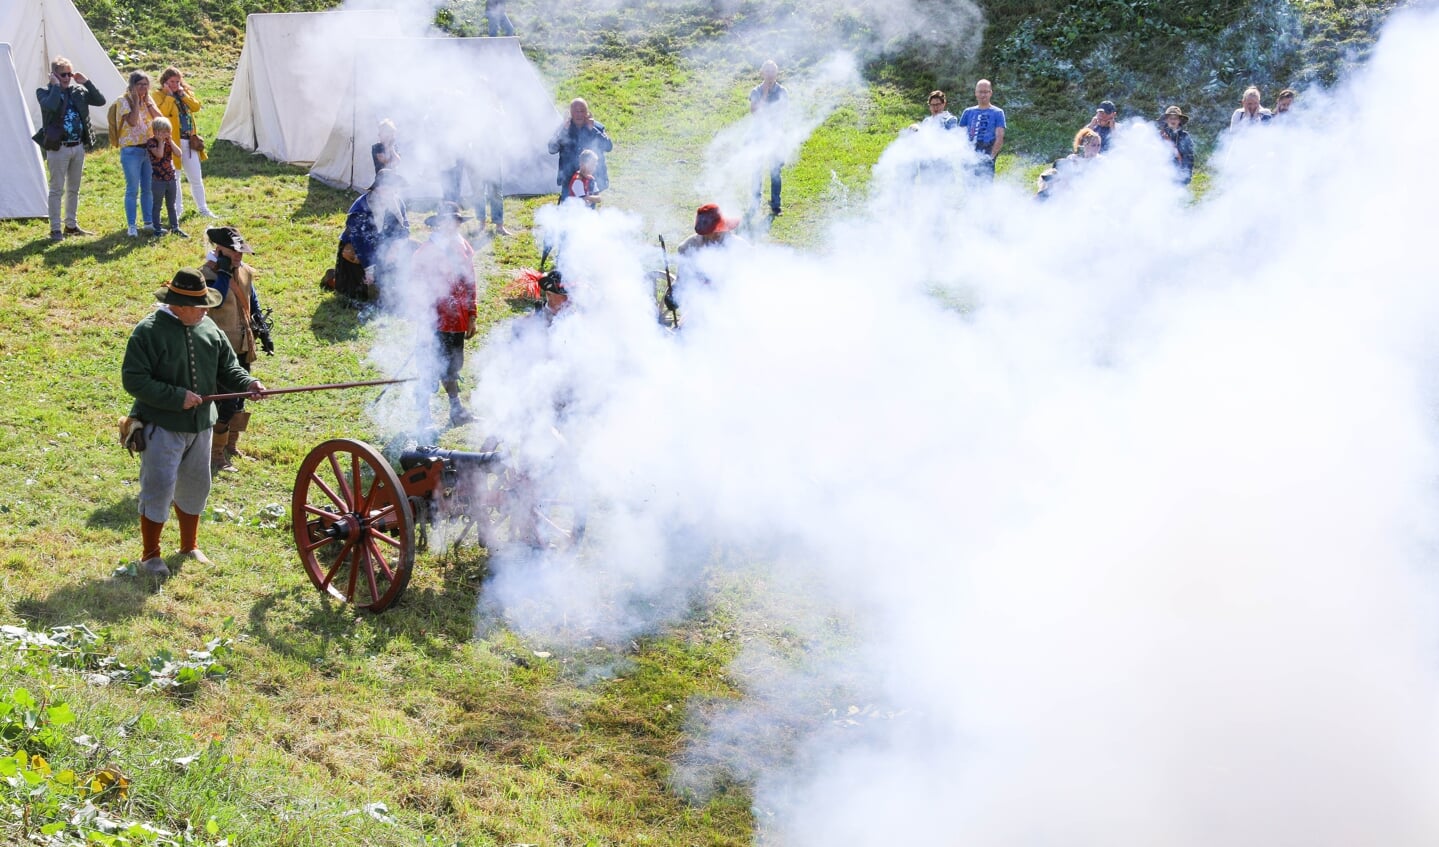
(376, 240)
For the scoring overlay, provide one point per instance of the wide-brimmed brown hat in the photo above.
(188, 288)
(447, 211)
(1175, 110)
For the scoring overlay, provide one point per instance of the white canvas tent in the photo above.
(291, 74)
(40, 30)
(479, 98)
(23, 192)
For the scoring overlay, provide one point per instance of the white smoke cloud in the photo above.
(1125, 504)
(742, 153)
(1107, 519)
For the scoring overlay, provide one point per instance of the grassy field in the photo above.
(299, 721)
(320, 711)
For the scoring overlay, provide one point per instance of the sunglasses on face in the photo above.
(65, 75)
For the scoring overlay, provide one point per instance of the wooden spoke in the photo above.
(390, 528)
(339, 560)
(380, 559)
(335, 498)
(340, 480)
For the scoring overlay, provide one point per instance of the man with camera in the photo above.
(66, 136)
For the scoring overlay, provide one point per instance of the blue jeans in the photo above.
(775, 184)
(496, 202)
(452, 181)
(135, 162)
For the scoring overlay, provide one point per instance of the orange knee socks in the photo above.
(189, 530)
(150, 538)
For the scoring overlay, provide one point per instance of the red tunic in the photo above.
(446, 270)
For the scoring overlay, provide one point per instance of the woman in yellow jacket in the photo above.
(177, 102)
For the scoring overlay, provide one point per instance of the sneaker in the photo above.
(206, 213)
(155, 567)
(132, 232)
(180, 232)
(503, 230)
(57, 236)
(774, 212)
(75, 230)
(198, 556)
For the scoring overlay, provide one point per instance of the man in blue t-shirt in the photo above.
(985, 125)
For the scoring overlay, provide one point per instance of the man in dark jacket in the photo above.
(66, 136)
(578, 133)
(174, 357)
(376, 242)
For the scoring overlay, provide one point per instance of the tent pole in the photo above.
(44, 39)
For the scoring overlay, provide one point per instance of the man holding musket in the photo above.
(225, 271)
(174, 357)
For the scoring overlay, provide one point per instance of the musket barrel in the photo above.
(235, 395)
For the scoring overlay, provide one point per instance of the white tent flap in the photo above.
(473, 99)
(23, 191)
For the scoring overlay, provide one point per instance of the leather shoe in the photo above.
(155, 567)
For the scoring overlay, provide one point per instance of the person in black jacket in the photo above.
(66, 136)
(581, 132)
(1171, 129)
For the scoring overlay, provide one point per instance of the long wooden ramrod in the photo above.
(296, 390)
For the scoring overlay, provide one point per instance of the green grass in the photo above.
(465, 737)
(466, 740)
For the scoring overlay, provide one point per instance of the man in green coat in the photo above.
(174, 357)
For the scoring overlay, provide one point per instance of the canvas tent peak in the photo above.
(285, 94)
(40, 30)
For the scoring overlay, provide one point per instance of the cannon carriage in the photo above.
(358, 523)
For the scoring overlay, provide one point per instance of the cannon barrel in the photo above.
(458, 459)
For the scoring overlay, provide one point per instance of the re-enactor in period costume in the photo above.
(375, 246)
(444, 274)
(225, 271)
(174, 357)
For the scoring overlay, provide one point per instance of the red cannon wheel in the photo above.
(353, 525)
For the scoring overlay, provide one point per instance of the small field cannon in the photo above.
(357, 523)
